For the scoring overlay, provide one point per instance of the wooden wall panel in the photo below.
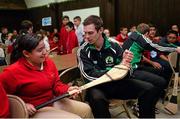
(36, 15)
(106, 10)
(115, 13)
(162, 13)
(55, 11)
(12, 18)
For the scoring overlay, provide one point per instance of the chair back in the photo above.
(2, 68)
(74, 50)
(17, 107)
(172, 57)
(70, 74)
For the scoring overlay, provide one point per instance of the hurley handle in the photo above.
(53, 100)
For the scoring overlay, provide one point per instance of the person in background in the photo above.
(34, 78)
(15, 34)
(3, 34)
(107, 33)
(171, 39)
(2, 55)
(72, 40)
(149, 55)
(4, 103)
(132, 29)
(8, 50)
(45, 39)
(79, 29)
(137, 43)
(153, 59)
(55, 31)
(122, 36)
(176, 28)
(63, 35)
(54, 43)
(26, 27)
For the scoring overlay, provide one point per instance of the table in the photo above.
(63, 62)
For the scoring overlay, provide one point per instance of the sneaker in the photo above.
(157, 111)
(135, 110)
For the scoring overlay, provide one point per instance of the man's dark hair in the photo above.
(77, 17)
(56, 35)
(151, 25)
(67, 17)
(93, 19)
(143, 28)
(70, 24)
(123, 27)
(26, 24)
(172, 32)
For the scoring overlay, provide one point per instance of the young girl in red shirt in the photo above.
(72, 40)
(34, 78)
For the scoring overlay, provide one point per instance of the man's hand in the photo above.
(178, 50)
(31, 109)
(127, 58)
(156, 65)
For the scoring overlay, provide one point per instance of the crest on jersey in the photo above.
(109, 60)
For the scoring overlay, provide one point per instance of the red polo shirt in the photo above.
(63, 38)
(72, 41)
(120, 39)
(34, 86)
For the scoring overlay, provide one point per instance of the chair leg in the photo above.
(167, 90)
(126, 110)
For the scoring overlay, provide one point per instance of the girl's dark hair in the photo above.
(26, 42)
(67, 17)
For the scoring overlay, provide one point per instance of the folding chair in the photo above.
(17, 107)
(172, 57)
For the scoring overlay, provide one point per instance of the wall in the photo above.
(115, 13)
(38, 13)
(106, 10)
(38, 3)
(162, 13)
(12, 18)
(55, 11)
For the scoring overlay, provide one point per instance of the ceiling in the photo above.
(12, 4)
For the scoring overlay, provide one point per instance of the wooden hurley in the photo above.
(172, 106)
(116, 73)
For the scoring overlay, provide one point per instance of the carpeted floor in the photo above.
(115, 111)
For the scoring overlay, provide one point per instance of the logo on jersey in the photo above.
(109, 60)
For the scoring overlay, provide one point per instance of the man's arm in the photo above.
(87, 68)
(152, 46)
(154, 64)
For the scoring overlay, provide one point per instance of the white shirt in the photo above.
(2, 53)
(79, 33)
(46, 42)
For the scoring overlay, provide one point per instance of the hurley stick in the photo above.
(116, 73)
